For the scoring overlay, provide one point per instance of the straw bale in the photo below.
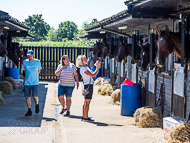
(6, 87)
(115, 96)
(148, 117)
(180, 133)
(12, 81)
(21, 76)
(97, 82)
(2, 102)
(105, 89)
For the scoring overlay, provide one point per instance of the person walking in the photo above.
(87, 75)
(32, 68)
(68, 74)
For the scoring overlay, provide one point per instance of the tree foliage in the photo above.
(38, 27)
(67, 30)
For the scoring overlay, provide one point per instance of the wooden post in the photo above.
(182, 41)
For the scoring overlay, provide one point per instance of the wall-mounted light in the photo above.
(102, 32)
(18, 31)
(122, 27)
(6, 27)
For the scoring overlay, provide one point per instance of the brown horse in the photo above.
(124, 51)
(167, 43)
(144, 56)
(15, 53)
(3, 50)
(97, 50)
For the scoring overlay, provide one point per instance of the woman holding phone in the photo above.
(68, 74)
(87, 75)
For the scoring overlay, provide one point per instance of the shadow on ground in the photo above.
(12, 114)
(96, 123)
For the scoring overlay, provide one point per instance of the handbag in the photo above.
(86, 90)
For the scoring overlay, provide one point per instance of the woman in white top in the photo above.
(68, 74)
(87, 75)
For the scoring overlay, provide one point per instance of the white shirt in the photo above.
(85, 77)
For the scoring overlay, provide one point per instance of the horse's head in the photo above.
(144, 56)
(13, 56)
(97, 48)
(124, 51)
(105, 50)
(3, 50)
(164, 44)
(19, 51)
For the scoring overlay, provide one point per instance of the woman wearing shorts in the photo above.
(87, 75)
(68, 74)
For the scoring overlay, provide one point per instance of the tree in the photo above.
(66, 29)
(52, 35)
(38, 27)
(85, 42)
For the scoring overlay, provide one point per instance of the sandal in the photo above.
(63, 110)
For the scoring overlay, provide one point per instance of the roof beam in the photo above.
(115, 32)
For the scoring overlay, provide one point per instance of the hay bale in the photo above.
(105, 89)
(2, 102)
(115, 97)
(6, 87)
(97, 82)
(21, 76)
(180, 133)
(147, 117)
(12, 81)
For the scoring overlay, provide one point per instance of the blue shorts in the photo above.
(29, 89)
(65, 90)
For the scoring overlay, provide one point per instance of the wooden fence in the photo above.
(50, 58)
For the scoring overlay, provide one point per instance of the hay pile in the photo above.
(147, 117)
(6, 87)
(115, 97)
(21, 76)
(180, 133)
(2, 102)
(12, 81)
(98, 81)
(105, 89)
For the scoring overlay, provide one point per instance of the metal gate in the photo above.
(50, 58)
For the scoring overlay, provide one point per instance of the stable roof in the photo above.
(12, 25)
(142, 15)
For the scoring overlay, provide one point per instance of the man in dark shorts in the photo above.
(32, 68)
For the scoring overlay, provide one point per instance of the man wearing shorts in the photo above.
(32, 68)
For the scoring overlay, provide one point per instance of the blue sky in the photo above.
(56, 11)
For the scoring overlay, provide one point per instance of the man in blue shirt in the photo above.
(32, 68)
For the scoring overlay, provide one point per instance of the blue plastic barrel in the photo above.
(99, 73)
(12, 72)
(130, 99)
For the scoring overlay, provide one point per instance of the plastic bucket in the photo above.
(12, 72)
(130, 99)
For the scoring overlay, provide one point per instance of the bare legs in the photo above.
(86, 108)
(28, 101)
(62, 101)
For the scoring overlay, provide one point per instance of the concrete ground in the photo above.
(49, 126)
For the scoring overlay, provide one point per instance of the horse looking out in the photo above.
(126, 50)
(167, 43)
(105, 50)
(97, 49)
(15, 53)
(3, 50)
(144, 56)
